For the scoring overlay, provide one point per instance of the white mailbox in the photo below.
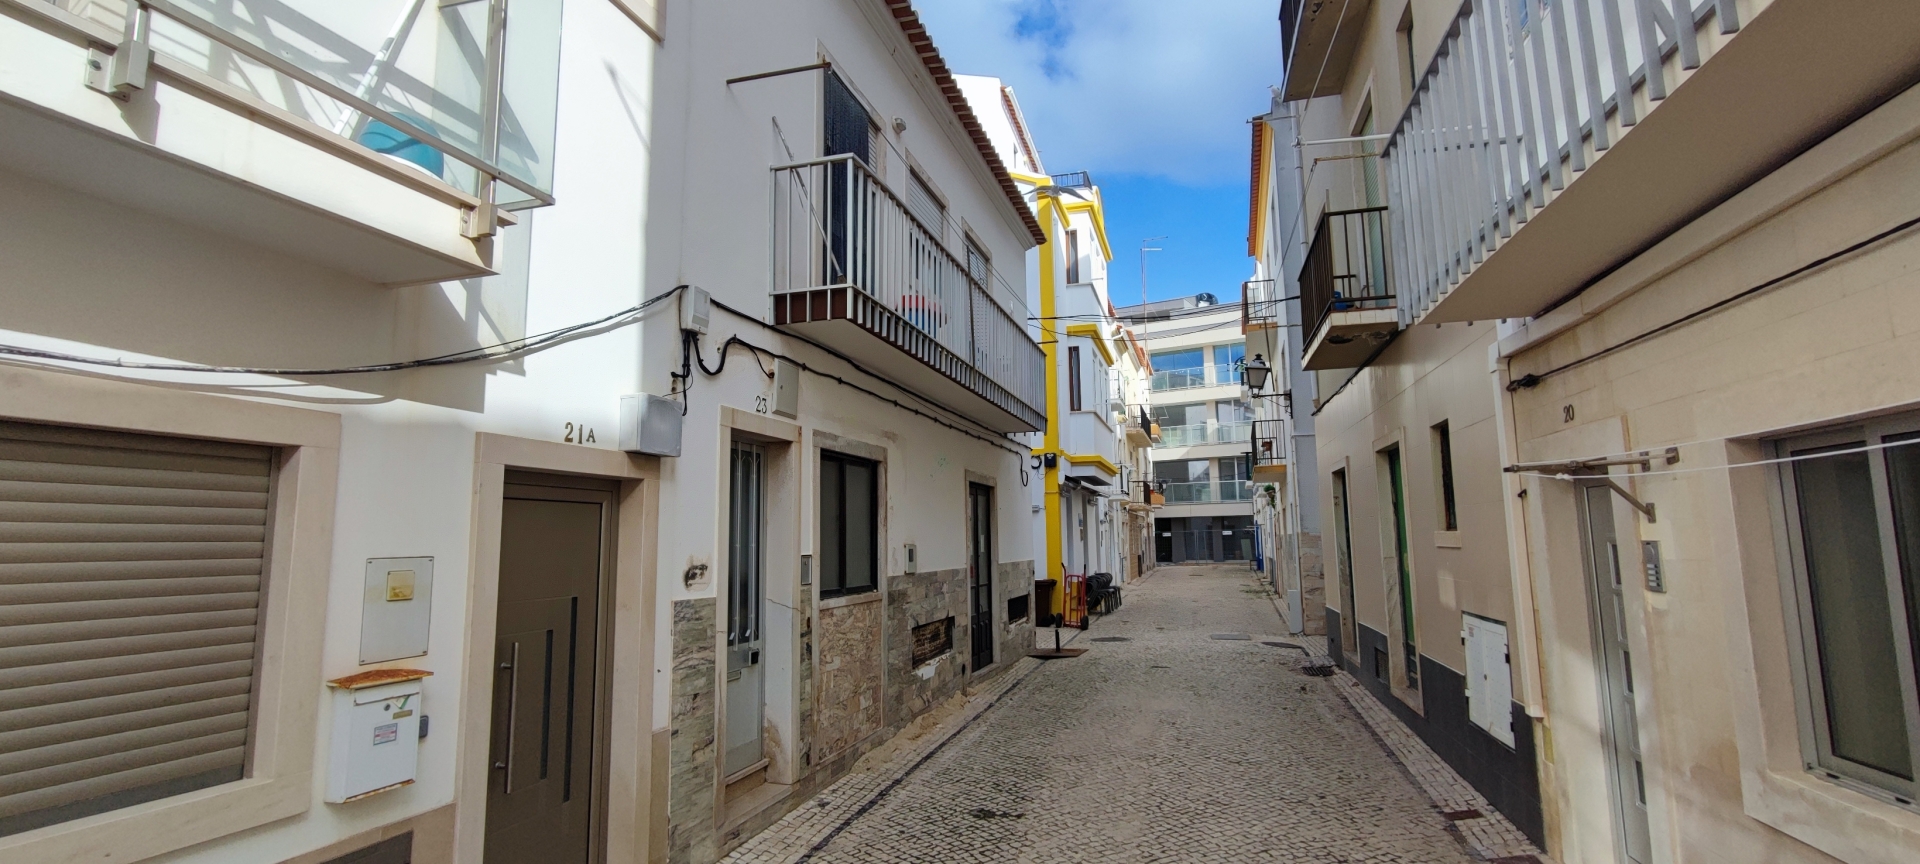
(376, 732)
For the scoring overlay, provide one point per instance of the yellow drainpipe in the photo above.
(1049, 334)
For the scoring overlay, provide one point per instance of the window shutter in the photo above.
(130, 575)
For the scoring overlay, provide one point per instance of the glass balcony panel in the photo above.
(1236, 490)
(423, 61)
(1200, 492)
(1211, 375)
(1195, 435)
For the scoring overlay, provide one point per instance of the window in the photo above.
(1443, 462)
(979, 265)
(1073, 377)
(134, 637)
(1854, 531)
(1408, 65)
(1073, 257)
(849, 524)
(1396, 492)
(926, 204)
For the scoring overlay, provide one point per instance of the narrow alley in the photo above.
(1187, 732)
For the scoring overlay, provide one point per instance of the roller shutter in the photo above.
(130, 576)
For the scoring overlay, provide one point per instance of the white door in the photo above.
(746, 679)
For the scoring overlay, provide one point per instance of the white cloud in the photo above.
(1136, 86)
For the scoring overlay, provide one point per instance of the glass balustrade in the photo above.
(1212, 375)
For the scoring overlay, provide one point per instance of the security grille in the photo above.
(130, 576)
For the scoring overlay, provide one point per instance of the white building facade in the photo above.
(479, 364)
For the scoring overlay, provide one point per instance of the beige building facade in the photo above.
(1676, 402)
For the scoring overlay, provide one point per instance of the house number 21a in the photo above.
(581, 434)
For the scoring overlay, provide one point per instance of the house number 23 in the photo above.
(581, 434)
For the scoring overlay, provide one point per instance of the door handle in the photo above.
(513, 696)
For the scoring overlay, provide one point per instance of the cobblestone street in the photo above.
(1180, 736)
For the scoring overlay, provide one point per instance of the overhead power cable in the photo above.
(500, 351)
(1000, 442)
(1533, 379)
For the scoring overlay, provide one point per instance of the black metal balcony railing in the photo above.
(837, 226)
(1346, 267)
(1269, 443)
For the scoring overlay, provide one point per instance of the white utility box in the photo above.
(376, 732)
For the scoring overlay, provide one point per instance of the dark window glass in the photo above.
(1443, 454)
(1853, 626)
(1903, 484)
(1073, 378)
(849, 524)
(1073, 257)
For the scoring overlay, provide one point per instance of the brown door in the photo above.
(547, 661)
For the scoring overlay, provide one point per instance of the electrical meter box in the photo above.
(376, 732)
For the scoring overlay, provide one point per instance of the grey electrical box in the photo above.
(650, 424)
(696, 309)
(395, 609)
(1650, 556)
(786, 389)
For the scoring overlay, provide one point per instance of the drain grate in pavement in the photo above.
(1111, 639)
(1230, 637)
(1461, 815)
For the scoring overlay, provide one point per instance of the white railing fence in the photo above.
(1503, 119)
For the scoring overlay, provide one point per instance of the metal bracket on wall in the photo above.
(1645, 508)
(125, 70)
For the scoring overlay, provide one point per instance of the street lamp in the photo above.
(1256, 372)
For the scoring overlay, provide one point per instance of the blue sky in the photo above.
(1152, 98)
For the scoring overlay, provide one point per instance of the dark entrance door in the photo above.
(980, 561)
(541, 784)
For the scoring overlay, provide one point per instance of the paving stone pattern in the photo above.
(1168, 747)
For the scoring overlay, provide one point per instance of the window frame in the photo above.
(295, 575)
(1816, 747)
(824, 578)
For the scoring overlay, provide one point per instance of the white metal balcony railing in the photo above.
(1211, 375)
(836, 225)
(1502, 120)
(1205, 433)
(447, 89)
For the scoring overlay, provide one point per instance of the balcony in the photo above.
(1259, 306)
(1320, 35)
(1346, 298)
(1197, 492)
(1545, 147)
(384, 138)
(1211, 375)
(1206, 492)
(1142, 430)
(1200, 434)
(1269, 449)
(855, 270)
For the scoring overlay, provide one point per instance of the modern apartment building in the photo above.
(1200, 465)
(423, 441)
(1572, 279)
